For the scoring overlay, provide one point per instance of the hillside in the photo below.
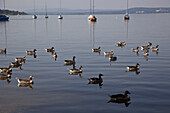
(9, 12)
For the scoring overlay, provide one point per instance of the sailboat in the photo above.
(126, 17)
(60, 16)
(92, 17)
(46, 16)
(4, 17)
(34, 16)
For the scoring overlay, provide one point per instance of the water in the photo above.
(55, 90)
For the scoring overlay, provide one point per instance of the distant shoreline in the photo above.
(137, 10)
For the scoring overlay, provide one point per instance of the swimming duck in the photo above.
(5, 75)
(155, 48)
(31, 52)
(145, 53)
(133, 68)
(25, 81)
(108, 53)
(6, 70)
(70, 62)
(120, 44)
(3, 51)
(15, 64)
(135, 50)
(50, 50)
(96, 49)
(74, 70)
(112, 58)
(96, 80)
(149, 43)
(145, 47)
(20, 59)
(120, 98)
(54, 55)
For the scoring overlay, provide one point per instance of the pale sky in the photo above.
(82, 4)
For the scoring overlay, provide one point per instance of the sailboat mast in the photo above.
(46, 7)
(60, 7)
(127, 8)
(90, 7)
(93, 7)
(4, 4)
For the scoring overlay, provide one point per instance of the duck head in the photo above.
(31, 77)
(80, 67)
(157, 46)
(35, 50)
(127, 92)
(137, 64)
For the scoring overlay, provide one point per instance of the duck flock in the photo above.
(5, 72)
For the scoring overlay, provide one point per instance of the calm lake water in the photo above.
(56, 91)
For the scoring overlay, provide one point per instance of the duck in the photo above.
(155, 48)
(133, 68)
(15, 64)
(135, 50)
(25, 81)
(96, 49)
(6, 70)
(50, 50)
(145, 53)
(31, 52)
(95, 79)
(108, 53)
(70, 62)
(20, 59)
(149, 43)
(3, 51)
(74, 70)
(54, 55)
(112, 58)
(120, 98)
(145, 47)
(120, 44)
(8, 75)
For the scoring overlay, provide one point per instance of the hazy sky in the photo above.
(83, 4)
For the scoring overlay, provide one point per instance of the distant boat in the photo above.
(92, 17)
(34, 16)
(60, 16)
(46, 16)
(126, 17)
(4, 17)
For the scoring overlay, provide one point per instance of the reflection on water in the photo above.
(25, 85)
(6, 77)
(60, 28)
(127, 103)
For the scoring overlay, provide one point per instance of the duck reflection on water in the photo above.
(25, 85)
(6, 77)
(96, 80)
(120, 98)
